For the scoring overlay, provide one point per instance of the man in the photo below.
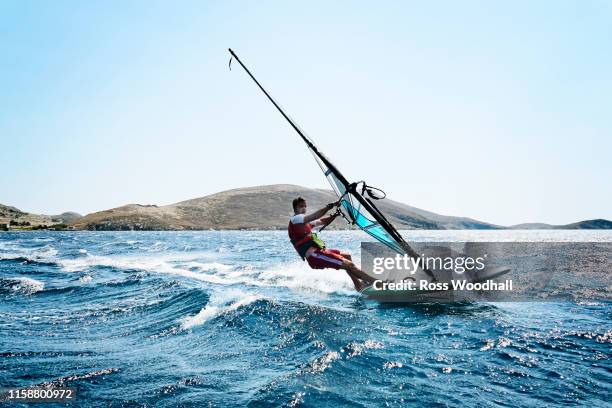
(313, 250)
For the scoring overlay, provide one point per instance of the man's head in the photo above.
(299, 206)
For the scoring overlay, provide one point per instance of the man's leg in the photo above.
(332, 258)
(354, 271)
(359, 284)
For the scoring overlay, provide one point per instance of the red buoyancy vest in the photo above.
(301, 237)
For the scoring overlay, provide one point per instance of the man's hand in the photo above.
(332, 205)
(320, 213)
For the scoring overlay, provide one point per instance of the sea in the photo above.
(236, 319)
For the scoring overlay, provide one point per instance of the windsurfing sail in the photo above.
(355, 198)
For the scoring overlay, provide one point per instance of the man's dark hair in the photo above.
(297, 202)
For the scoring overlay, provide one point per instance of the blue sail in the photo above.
(353, 208)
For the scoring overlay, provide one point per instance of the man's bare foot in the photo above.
(360, 285)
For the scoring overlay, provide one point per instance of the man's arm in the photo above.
(325, 220)
(319, 213)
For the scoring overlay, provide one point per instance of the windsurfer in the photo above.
(312, 249)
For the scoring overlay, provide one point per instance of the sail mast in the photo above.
(291, 122)
(297, 129)
(349, 187)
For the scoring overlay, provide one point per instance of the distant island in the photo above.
(250, 208)
(14, 219)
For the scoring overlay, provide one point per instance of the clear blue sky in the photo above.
(501, 111)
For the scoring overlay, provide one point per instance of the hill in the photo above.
(263, 207)
(587, 224)
(251, 208)
(18, 219)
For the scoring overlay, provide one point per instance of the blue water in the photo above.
(235, 319)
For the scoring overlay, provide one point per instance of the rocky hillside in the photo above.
(260, 208)
(17, 219)
(587, 224)
(264, 207)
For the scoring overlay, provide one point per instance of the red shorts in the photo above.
(325, 258)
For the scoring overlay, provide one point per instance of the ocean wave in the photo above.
(85, 279)
(25, 260)
(322, 363)
(293, 275)
(219, 304)
(46, 255)
(351, 350)
(356, 349)
(299, 277)
(146, 263)
(75, 377)
(392, 364)
(20, 285)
